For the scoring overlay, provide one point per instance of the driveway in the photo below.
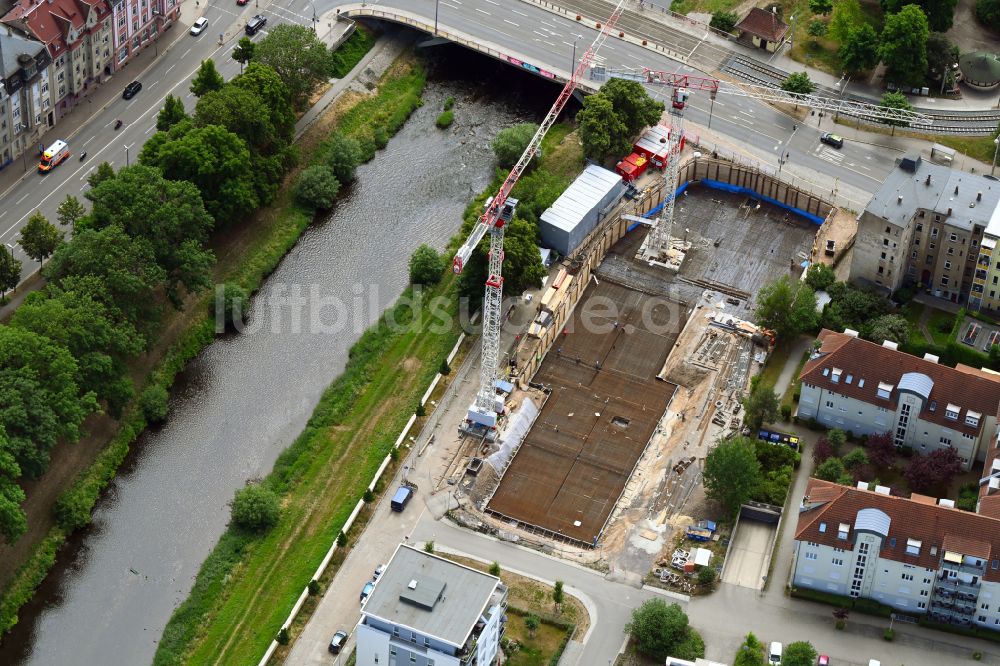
(748, 554)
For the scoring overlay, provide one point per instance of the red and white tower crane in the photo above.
(482, 415)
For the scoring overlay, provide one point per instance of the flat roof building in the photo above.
(428, 610)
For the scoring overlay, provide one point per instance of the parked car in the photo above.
(823, 660)
(774, 653)
(401, 498)
(241, 3)
(255, 24)
(366, 591)
(337, 642)
(832, 139)
(378, 571)
(199, 26)
(132, 89)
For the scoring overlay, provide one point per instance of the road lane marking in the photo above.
(482, 11)
(520, 13)
(512, 23)
(184, 55)
(150, 129)
(26, 195)
(84, 144)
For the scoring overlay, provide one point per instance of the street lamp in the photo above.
(791, 38)
(572, 68)
(996, 142)
(314, 16)
(126, 154)
(842, 91)
(436, 3)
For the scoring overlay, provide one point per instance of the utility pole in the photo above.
(996, 143)
(436, 3)
(572, 67)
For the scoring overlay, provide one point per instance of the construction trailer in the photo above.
(578, 209)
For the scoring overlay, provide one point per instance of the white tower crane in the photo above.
(482, 416)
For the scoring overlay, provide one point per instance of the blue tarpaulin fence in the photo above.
(736, 189)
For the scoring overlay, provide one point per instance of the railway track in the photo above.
(971, 123)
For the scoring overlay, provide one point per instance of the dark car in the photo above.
(337, 642)
(131, 90)
(832, 140)
(255, 23)
(241, 3)
(366, 591)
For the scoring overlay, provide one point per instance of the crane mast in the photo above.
(500, 211)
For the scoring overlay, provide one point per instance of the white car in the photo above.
(199, 26)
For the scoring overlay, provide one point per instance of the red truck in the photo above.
(632, 167)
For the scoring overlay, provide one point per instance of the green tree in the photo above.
(859, 49)
(426, 266)
(798, 83)
(819, 276)
(751, 652)
(265, 83)
(941, 55)
(114, 268)
(820, 6)
(852, 307)
(213, 159)
(531, 623)
(154, 402)
(632, 104)
(898, 102)
(40, 402)
(988, 13)
(903, 46)
(206, 79)
(39, 237)
(786, 306)
(495, 569)
(817, 28)
(166, 214)
(855, 459)
(511, 143)
(242, 112)
(846, 15)
(832, 469)
(724, 21)
(602, 131)
(799, 653)
(83, 325)
(657, 628)
(317, 187)
(761, 405)
(706, 576)
(892, 327)
(10, 271)
(523, 267)
(13, 522)
(229, 307)
(299, 58)
(343, 157)
(837, 439)
(428, 545)
(172, 113)
(255, 508)
(70, 212)
(940, 13)
(103, 172)
(558, 596)
(732, 473)
(243, 52)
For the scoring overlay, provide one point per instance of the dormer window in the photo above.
(933, 406)
(972, 418)
(826, 372)
(885, 390)
(912, 547)
(835, 375)
(951, 412)
(843, 530)
(861, 383)
(849, 379)
(822, 528)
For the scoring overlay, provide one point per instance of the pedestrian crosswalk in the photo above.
(830, 155)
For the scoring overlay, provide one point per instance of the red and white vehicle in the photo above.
(55, 155)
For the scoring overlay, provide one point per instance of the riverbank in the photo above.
(245, 257)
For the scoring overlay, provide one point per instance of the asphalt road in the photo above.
(170, 73)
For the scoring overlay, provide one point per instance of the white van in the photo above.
(774, 653)
(874, 662)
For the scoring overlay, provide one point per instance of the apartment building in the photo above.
(927, 225)
(867, 388)
(25, 97)
(429, 611)
(919, 555)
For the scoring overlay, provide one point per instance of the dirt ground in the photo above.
(969, 34)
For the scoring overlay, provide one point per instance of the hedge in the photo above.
(866, 606)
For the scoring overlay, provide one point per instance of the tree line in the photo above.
(142, 247)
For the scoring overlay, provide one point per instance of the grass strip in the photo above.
(279, 232)
(351, 52)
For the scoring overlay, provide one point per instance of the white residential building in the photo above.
(916, 554)
(867, 389)
(429, 611)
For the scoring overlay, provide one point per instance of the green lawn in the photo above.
(704, 6)
(821, 52)
(776, 363)
(536, 650)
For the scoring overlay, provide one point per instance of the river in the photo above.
(246, 397)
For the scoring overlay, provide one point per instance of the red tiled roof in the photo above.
(763, 24)
(990, 506)
(934, 526)
(49, 21)
(874, 363)
(978, 372)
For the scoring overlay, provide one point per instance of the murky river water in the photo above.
(248, 396)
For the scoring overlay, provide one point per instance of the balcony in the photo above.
(957, 587)
(964, 568)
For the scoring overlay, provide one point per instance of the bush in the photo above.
(888, 634)
(510, 143)
(988, 12)
(426, 266)
(817, 28)
(282, 636)
(706, 576)
(314, 588)
(343, 157)
(429, 547)
(658, 628)
(724, 21)
(445, 120)
(445, 368)
(448, 103)
(368, 497)
(786, 412)
(495, 569)
(691, 647)
(317, 187)
(341, 539)
(230, 306)
(255, 508)
(154, 403)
